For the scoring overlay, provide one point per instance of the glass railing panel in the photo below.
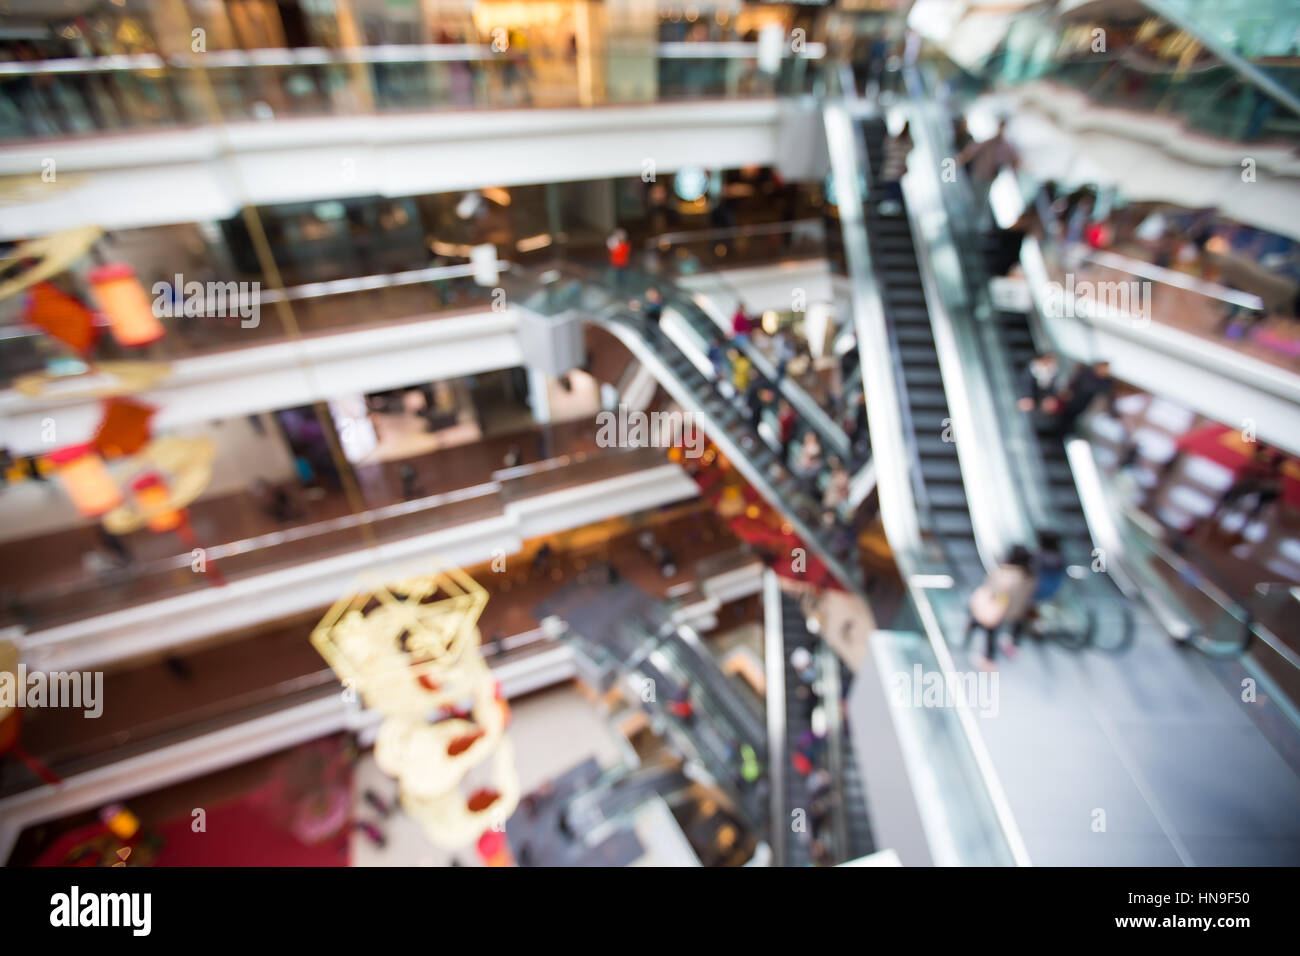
(960, 820)
(242, 538)
(1160, 69)
(61, 98)
(318, 308)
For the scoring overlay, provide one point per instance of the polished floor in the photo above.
(1142, 758)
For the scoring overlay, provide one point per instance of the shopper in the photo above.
(741, 324)
(664, 559)
(1049, 566)
(653, 308)
(1086, 386)
(801, 662)
(784, 351)
(1001, 601)
(786, 421)
(1036, 384)
(742, 371)
(757, 398)
(985, 161)
(620, 254)
(123, 556)
(809, 460)
(893, 168)
(406, 474)
(837, 488)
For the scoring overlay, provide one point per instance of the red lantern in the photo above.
(151, 498)
(86, 479)
(123, 300)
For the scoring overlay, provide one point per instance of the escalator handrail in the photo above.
(1196, 579)
(778, 768)
(1172, 277)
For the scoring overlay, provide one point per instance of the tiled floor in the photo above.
(1142, 758)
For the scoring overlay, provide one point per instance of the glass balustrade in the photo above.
(77, 97)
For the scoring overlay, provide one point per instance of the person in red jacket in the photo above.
(620, 253)
(741, 324)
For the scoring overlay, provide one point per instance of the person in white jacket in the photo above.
(1002, 601)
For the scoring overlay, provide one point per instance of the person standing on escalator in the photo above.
(786, 420)
(741, 325)
(1049, 571)
(620, 254)
(1086, 386)
(1002, 601)
(892, 169)
(986, 160)
(1036, 384)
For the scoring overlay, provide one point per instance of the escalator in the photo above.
(798, 723)
(940, 494)
(691, 382)
(616, 796)
(859, 840)
(621, 635)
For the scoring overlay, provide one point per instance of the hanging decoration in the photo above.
(103, 380)
(61, 316)
(126, 305)
(48, 256)
(181, 468)
(84, 476)
(124, 428)
(410, 649)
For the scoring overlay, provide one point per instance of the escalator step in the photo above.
(1064, 493)
(951, 521)
(923, 355)
(934, 469)
(908, 332)
(946, 494)
(964, 553)
(922, 375)
(927, 398)
(933, 446)
(929, 420)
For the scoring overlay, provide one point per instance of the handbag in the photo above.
(988, 606)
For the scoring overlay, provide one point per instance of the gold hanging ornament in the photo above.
(410, 649)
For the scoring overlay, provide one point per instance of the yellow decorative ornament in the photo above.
(50, 256)
(103, 380)
(455, 818)
(410, 648)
